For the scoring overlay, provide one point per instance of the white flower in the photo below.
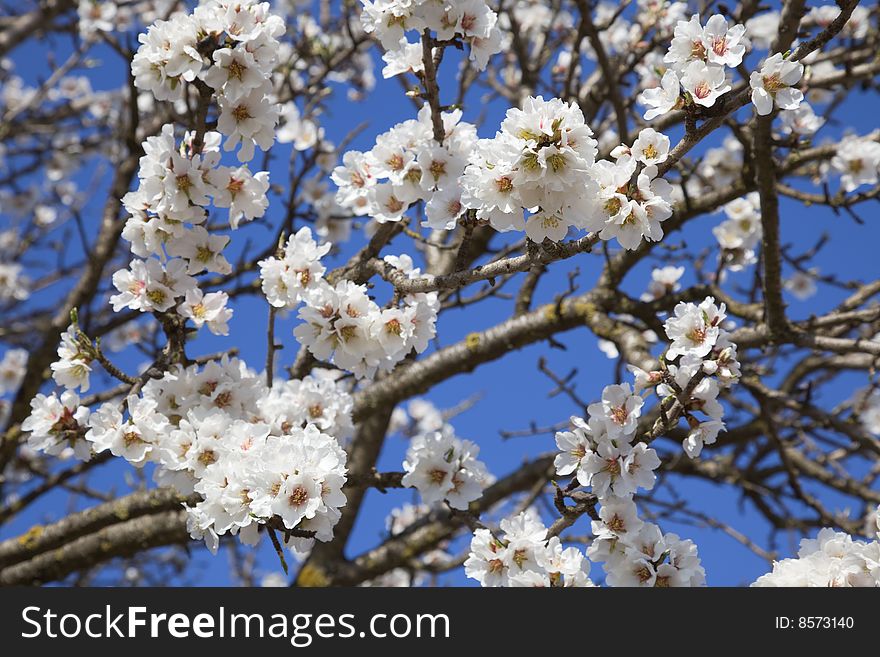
(634, 569)
(574, 448)
(249, 120)
(618, 411)
(608, 348)
(444, 209)
(443, 467)
(618, 517)
(385, 198)
(13, 366)
(857, 160)
(705, 433)
(207, 309)
(485, 562)
(724, 45)
(106, 427)
(235, 71)
(298, 498)
(638, 467)
(302, 132)
(643, 379)
(521, 556)
(354, 178)
(694, 329)
(287, 280)
(664, 280)
(405, 58)
(72, 369)
(543, 226)
(801, 284)
(141, 287)
(603, 469)
(763, 28)
(651, 147)
(55, 424)
(773, 84)
(801, 121)
(831, 559)
(740, 235)
(482, 48)
(241, 191)
(202, 250)
(96, 16)
(687, 45)
(663, 98)
(705, 83)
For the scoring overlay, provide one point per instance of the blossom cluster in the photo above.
(165, 213)
(774, 85)
(740, 234)
(540, 161)
(405, 166)
(57, 424)
(230, 48)
(538, 174)
(470, 21)
(251, 452)
(602, 453)
(340, 322)
(633, 201)
(289, 279)
(697, 60)
(524, 557)
(605, 454)
(704, 352)
(443, 467)
(831, 559)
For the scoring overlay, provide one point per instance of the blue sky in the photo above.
(512, 392)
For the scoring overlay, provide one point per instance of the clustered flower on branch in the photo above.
(251, 451)
(698, 57)
(405, 166)
(444, 467)
(440, 465)
(831, 559)
(468, 21)
(606, 454)
(740, 234)
(341, 323)
(538, 174)
(525, 557)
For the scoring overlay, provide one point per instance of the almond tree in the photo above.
(630, 171)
